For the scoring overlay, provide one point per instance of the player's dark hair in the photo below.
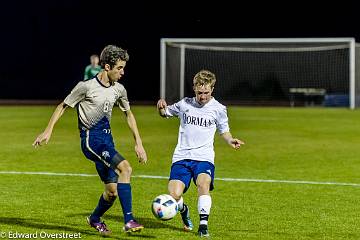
(111, 54)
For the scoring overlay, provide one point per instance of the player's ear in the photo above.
(107, 67)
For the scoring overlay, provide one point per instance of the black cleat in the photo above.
(203, 231)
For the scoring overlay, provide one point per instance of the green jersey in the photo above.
(91, 71)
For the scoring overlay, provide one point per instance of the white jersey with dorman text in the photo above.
(95, 102)
(198, 124)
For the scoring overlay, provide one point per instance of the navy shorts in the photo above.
(185, 170)
(98, 146)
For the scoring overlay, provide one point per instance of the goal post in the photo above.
(264, 71)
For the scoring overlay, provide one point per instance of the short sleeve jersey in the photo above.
(94, 102)
(198, 124)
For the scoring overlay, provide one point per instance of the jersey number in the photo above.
(106, 106)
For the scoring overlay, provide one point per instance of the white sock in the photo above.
(204, 206)
(180, 204)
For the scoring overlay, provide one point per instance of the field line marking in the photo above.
(49, 173)
(165, 177)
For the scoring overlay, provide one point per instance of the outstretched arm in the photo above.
(233, 142)
(161, 106)
(45, 136)
(139, 149)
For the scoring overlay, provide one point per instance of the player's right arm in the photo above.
(167, 111)
(76, 95)
(161, 106)
(46, 134)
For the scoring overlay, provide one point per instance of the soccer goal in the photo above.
(264, 71)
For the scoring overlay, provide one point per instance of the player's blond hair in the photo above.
(204, 77)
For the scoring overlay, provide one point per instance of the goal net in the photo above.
(278, 72)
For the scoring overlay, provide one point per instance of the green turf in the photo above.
(296, 144)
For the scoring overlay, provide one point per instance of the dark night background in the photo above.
(45, 45)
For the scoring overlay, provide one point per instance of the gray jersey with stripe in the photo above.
(95, 102)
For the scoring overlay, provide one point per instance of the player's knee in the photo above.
(175, 194)
(125, 168)
(203, 186)
(111, 195)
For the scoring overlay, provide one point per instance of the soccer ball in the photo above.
(164, 207)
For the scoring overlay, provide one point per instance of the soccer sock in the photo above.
(124, 193)
(100, 209)
(204, 206)
(181, 204)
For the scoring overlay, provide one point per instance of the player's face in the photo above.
(203, 93)
(117, 71)
(94, 61)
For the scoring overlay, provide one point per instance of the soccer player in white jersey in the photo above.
(193, 157)
(94, 100)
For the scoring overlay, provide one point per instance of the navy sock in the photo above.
(124, 193)
(100, 209)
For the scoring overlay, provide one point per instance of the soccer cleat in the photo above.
(99, 226)
(185, 216)
(132, 226)
(203, 231)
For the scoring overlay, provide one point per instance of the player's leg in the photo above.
(204, 202)
(204, 174)
(122, 167)
(176, 189)
(107, 198)
(180, 177)
(125, 194)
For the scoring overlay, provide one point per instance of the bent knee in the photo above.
(176, 196)
(204, 185)
(125, 168)
(175, 193)
(111, 195)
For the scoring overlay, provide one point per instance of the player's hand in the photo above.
(235, 143)
(161, 104)
(43, 137)
(141, 154)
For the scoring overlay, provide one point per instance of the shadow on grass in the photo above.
(36, 224)
(151, 223)
(39, 226)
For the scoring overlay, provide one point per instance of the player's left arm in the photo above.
(223, 127)
(139, 149)
(233, 142)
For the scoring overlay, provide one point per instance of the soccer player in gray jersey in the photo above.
(194, 155)
(94, 100)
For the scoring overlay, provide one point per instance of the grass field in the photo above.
(312, 154)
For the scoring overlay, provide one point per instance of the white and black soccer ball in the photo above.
(164, 207)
